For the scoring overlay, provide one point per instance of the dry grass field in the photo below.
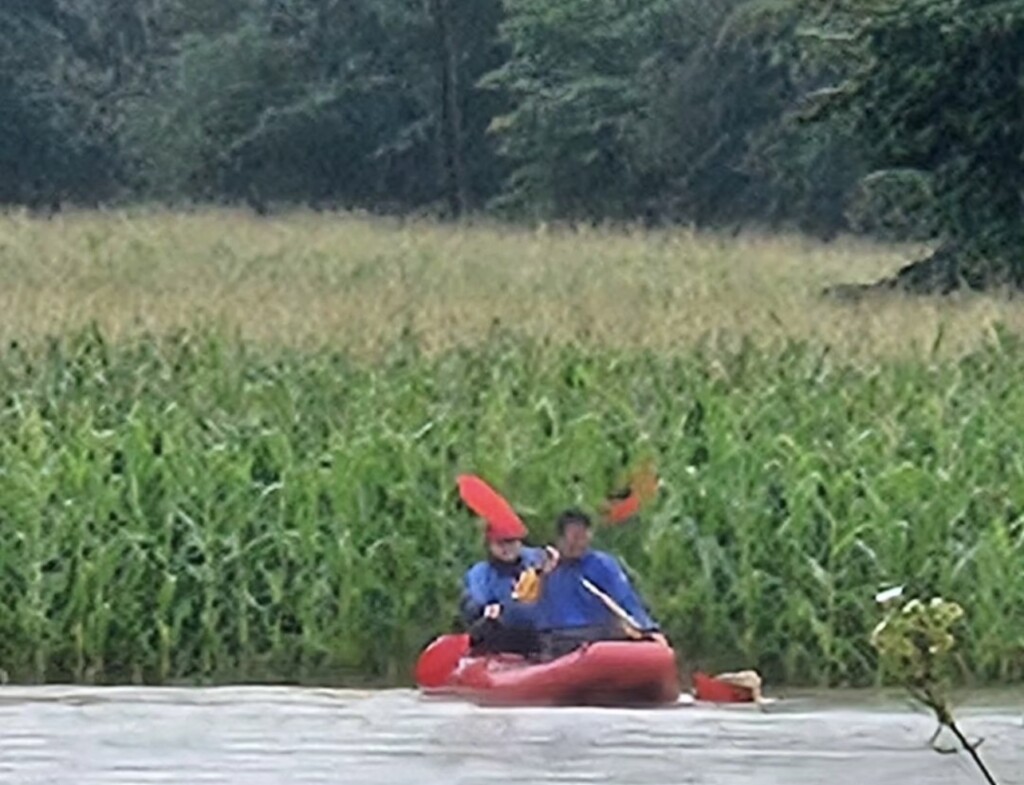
(309, 279)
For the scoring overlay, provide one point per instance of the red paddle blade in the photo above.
(708, 688)
(486, 502)
(642, 487)
(440, 659)
(622, 509)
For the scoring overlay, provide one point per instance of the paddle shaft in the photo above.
(613, 606)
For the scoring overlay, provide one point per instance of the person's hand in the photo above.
(632, 632)
(492, 611)
(551, 557)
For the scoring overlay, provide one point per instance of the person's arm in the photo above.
(476, 595)
(613, 581)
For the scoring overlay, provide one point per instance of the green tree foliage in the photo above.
(934, 87)
(725, 135)
(57, 87)
(577, 103)
(672, 110)
(322, 100)
(678, 109)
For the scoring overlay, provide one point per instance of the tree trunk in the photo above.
(456, 184)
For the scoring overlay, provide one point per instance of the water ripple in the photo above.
(272, 735)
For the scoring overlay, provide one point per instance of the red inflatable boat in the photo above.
(603, 673)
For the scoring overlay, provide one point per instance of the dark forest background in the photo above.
(903, 119)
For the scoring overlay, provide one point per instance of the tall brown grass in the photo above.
(308, 279)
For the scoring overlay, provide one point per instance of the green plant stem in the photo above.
(972, 750)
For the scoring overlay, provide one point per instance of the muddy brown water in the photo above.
(267, 736)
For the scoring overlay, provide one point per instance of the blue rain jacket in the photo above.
(492, 581)
(567, 604)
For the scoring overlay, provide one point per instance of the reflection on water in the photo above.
(259, 736)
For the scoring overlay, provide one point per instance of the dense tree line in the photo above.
(900, 117)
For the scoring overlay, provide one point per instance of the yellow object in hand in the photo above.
(527, 588)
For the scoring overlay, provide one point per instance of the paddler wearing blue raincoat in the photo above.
(500, 594)
(569, 612)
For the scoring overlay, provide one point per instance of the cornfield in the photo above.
(199, 503)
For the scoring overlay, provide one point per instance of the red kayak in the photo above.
(603, 673)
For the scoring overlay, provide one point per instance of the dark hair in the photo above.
(573, 515)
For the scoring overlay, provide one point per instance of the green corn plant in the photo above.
(197, 506)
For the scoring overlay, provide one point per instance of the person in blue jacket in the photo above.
(500, 619)
(570, 613)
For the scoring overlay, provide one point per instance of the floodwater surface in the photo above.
(266, 736)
